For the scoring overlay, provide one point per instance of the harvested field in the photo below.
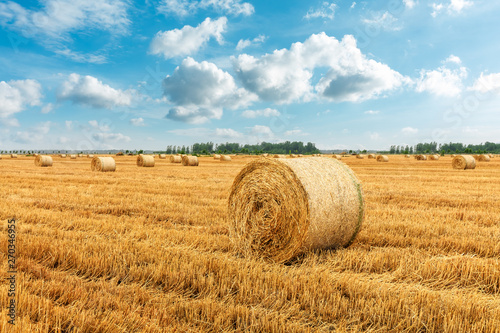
(148, 250)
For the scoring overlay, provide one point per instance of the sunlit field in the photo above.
(148, 250)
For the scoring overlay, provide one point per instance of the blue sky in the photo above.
(102, 74)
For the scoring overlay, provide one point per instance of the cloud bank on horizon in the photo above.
(117, 74)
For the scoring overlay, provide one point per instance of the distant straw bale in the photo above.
(216, 157)
(73, 157)
(43, 161)
(162, 156)
(190, 160)
(225, 158)
(265, 155)
(175, 159)
(145, 161)
(407, 156)
(338, 157)
(434, 157)
(63, 155)
(463, 162)
(80, 155)
(90, 156)
(382, 158)
(281, 208)
(13, 155)
(360, 156)
(103, 164)
(483, 158)
(372, 156)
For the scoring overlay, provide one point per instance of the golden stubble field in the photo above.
(147, 250)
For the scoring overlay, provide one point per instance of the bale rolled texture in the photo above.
(162, 156)
(73, 157)
(103, 164)
(216, 157)
(382, 158)
(189, 160)
(463, 162)
(371, 156)
(145, 161)
(175, 159)
(13, 155)
(281, 208)
(434, 157)
(225, 158)
(43, 161)
(360, 156)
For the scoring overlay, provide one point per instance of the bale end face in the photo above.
(145, 161)
(463, 162)
(189, 160)
(103, 164)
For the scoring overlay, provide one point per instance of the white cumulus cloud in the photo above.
(325, 11)
(452, 7)
(190, 7)
(285, 75)
(442, 81)
(244, 43)
(267, 112)
(137, 122)
(16, 95)
(487, 83)
(88, 90)
(201, 91)
(409, 3)
(188, 40)
(228, 133)
(409, 130)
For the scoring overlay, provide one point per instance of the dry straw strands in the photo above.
(175, 159)
(73, 157)
(162, 156)
(13, 155)
(281, 208)
(190, 160)
(216, 157)
(382, 158)
(371, 156)
(145, 161)
(434, 157)
(103, 164)
(226, 158)
(43, 161)
(463, 162)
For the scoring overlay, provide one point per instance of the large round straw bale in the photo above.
(43, 161)
(216, 157)
(281, 208)
(162, 156)
(382, 158)
(226, 158)
(175, 159)
(73, 157)
(463, 162)
(483, 158)
(189, 160)
(63, 155)
(434, 157)
(421, 157)
(13, 155)
(372, 156)
(103, 164)
(145, 161)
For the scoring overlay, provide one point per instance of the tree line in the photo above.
(446, 148)
(286, 147)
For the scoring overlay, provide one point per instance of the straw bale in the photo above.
(382, 158)
(80, 155)
(190, 160)
(162, 156)
(90, 156)
(216, 157)
(63, 155)
(483, 158)
(360, 156)
(265, 155)
(463, 162)
(145, 161)
(13, 155)
(226, 158)
(43, 161)
(281, 208)
(175, 159)
(407, 156)
(338, 157)
(434, 157)
(103, 164)
(73, 157)
(372, 156)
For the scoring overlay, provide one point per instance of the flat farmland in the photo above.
(148, 250)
